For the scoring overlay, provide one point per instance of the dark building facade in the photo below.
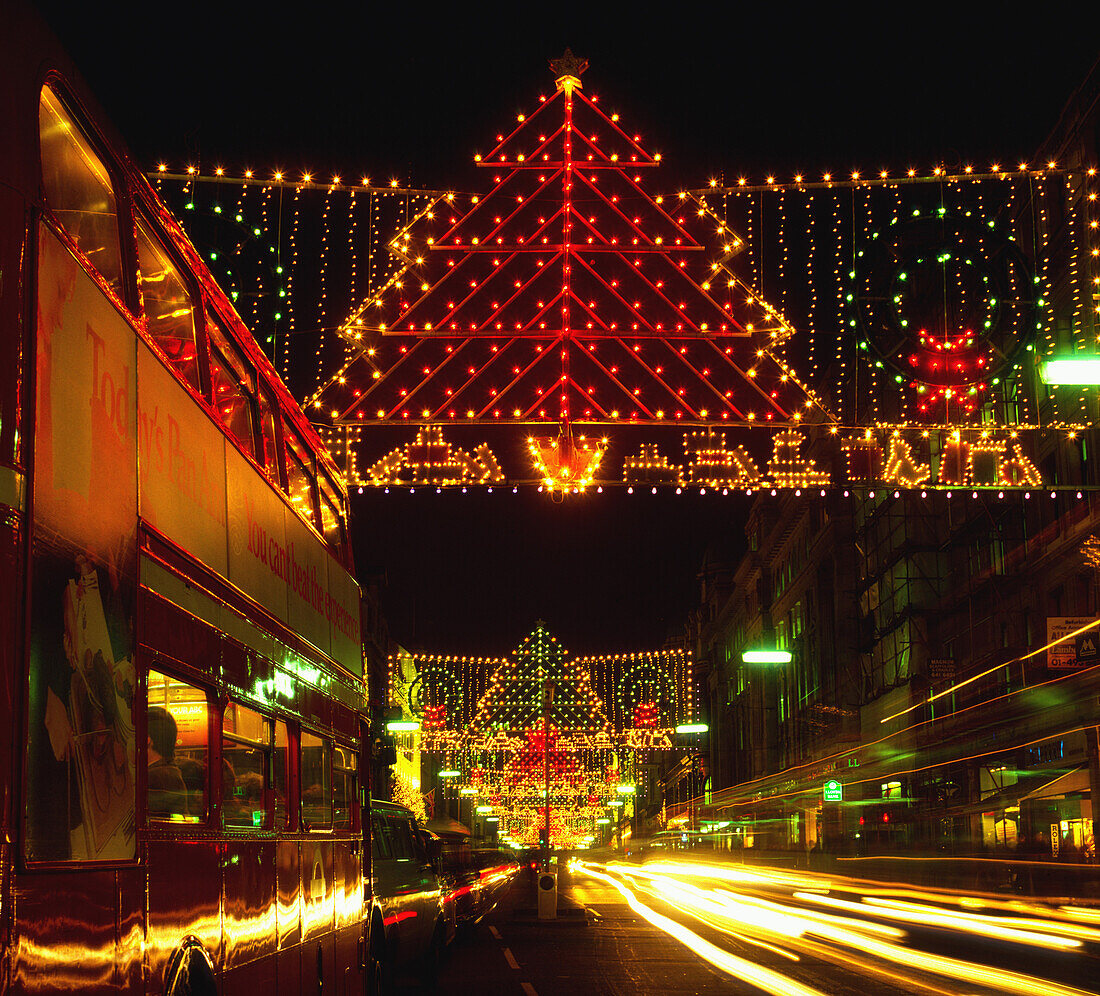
(931, 674)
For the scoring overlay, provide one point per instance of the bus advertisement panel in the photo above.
(81, 763)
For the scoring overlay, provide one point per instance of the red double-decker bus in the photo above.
(180, 655)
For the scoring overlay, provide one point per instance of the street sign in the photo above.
(941, 669)
(833, 791)
(1063, 648)
(1088, 647)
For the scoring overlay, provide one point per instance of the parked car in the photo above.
(407, 887)
(474, 878)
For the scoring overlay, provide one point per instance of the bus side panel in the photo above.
(66, 933)
(130, 929)
(248, 927)
(172, 631)
(288, 913)
(318, 915)
(185, 886)
(11, 666)
(349, 914)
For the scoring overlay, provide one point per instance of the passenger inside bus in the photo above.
(194, 779)
(167, 792)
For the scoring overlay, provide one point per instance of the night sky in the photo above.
(718, 90)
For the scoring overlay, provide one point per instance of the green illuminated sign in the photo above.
(766, 657)
(834, 791)
(403, 725)
(1084, 370)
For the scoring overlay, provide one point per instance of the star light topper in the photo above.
(567, 69)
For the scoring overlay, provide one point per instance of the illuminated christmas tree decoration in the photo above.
(787, 467)
(567, 295)
(513, 702)
(985, 458)
(550, 300)
(902, 467)
(864, 456)
(430, 459)
(564, 462)
(712, 464)
(1019, 471)
(650, 466)
(955, 461)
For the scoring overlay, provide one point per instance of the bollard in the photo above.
(548, 896)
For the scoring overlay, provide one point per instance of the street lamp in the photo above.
(402, 726)
(767, 657)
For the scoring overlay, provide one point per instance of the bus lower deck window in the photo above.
(246, 749)
(316, 780)
(177, 751)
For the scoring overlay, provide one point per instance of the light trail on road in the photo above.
(907, 937)
(764, 978)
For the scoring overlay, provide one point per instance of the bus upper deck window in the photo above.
(269, 458)
(332, 520)
(233, 386)
(299, 473)
(78, 189)
(169, 314)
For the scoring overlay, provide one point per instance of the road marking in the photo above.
(529, 989)
(512, 963)
(494, 932)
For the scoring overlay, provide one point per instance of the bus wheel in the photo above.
(191, 972)
(378, 968)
